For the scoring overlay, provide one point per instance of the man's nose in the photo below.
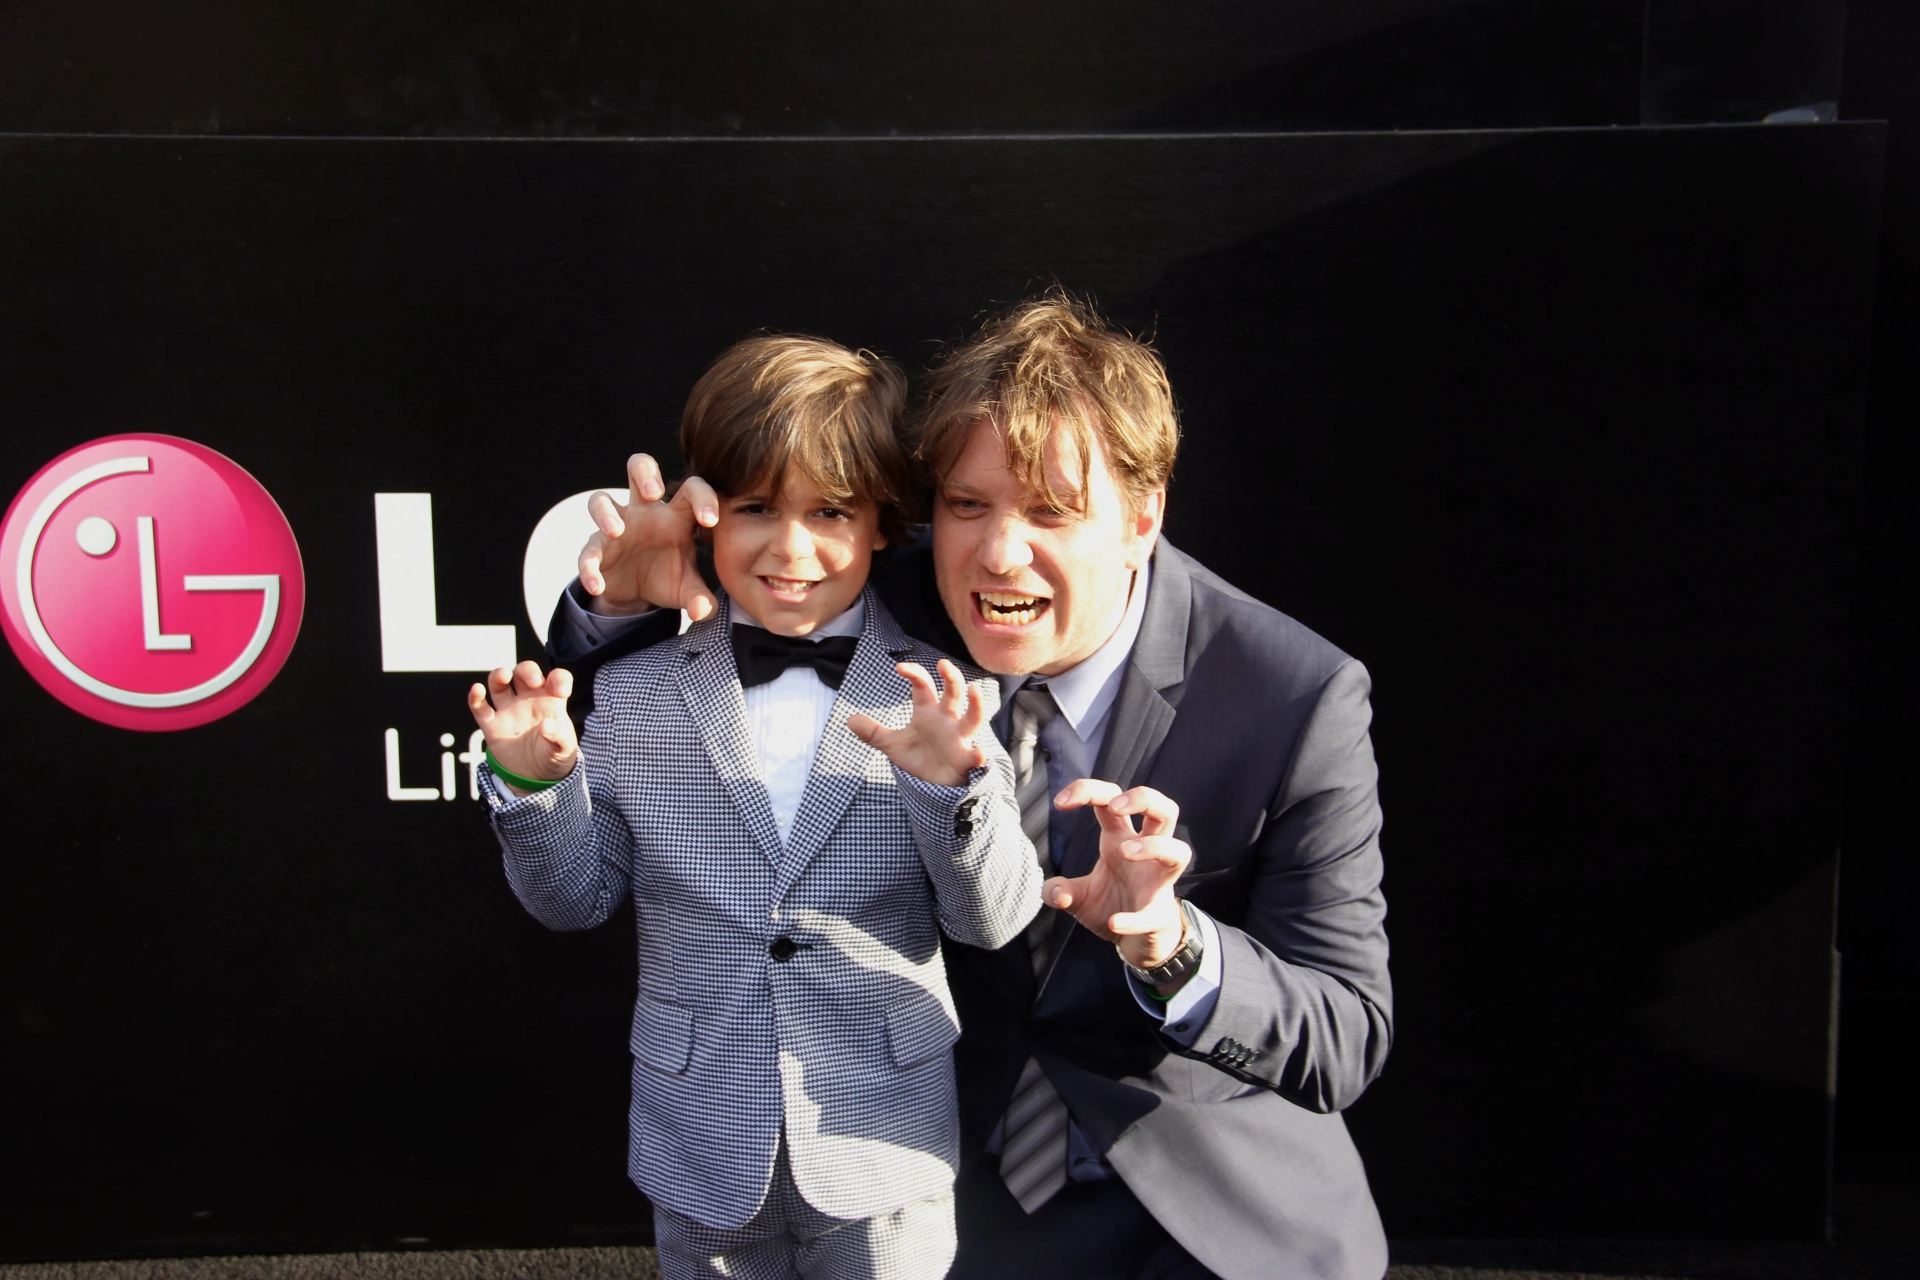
(1006, 548)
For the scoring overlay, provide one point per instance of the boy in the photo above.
(797, 811)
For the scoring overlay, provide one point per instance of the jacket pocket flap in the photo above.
(918, 1029)
(662, 1035)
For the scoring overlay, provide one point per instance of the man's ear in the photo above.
(1145, 528)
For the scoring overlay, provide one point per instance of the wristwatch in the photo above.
(1180, 963)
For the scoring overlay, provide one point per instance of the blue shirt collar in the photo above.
(1085, 693)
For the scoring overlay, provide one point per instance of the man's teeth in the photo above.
(1001, 606)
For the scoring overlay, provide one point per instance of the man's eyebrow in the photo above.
(1064, 501)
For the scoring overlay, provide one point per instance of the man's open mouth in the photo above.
(1009, 608)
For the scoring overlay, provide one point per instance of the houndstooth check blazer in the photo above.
(800, 985)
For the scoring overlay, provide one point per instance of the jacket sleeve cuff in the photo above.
(512, 809)
(576, 629)
(939, 812)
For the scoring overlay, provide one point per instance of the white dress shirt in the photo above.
(788, 715)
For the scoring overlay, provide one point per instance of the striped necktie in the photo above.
(1033, 1146)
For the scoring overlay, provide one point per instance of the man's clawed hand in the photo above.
(524, 715)
(1128, 896)
(938, 743)
(641, 555)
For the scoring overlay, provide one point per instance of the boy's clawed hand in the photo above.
(524, 715)
(937, 745)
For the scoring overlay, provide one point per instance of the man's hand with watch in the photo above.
(1127, 898)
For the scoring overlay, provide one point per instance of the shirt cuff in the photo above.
(592, 628)
(1183, 1016)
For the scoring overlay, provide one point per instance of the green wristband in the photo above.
(507, 775)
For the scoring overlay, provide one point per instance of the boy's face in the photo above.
(796, 559)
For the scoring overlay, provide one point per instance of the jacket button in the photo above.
(783, 948)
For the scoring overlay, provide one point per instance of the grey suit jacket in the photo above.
(1257, 728)
(798, 986)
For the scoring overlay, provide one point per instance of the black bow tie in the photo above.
(762, 656)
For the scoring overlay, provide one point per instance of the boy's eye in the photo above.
(966, 506)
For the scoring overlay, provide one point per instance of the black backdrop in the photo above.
(1556, 430)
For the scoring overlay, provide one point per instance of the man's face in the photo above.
(1032, 587)
(796, 559)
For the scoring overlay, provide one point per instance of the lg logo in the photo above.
(149, 582)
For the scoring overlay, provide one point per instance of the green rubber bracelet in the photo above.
(507, 775)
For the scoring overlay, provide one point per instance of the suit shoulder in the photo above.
(629, 677)
(1227, 623)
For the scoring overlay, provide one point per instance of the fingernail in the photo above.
(1130, 846)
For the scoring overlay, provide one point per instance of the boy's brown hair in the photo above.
(1053, 360)
(789, 400)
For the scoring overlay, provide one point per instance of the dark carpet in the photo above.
(1876, 1237)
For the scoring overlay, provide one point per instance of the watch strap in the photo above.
(1181, 962)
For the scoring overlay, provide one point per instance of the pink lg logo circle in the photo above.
(149, 582)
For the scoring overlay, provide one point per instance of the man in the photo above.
(1154, 1090)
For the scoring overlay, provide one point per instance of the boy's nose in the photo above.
(793, 541)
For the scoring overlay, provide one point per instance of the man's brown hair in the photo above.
(1049, 360)
(788, 400)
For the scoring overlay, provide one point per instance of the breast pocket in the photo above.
(662, 1035)
(919, 1031)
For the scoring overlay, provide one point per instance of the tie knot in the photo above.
(1033, 709)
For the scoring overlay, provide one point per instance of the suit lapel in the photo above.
(843, 762)
(1141, 717)
(711, 686)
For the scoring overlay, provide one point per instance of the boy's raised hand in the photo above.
(524, 715)
(641, 555)
(937, 745)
